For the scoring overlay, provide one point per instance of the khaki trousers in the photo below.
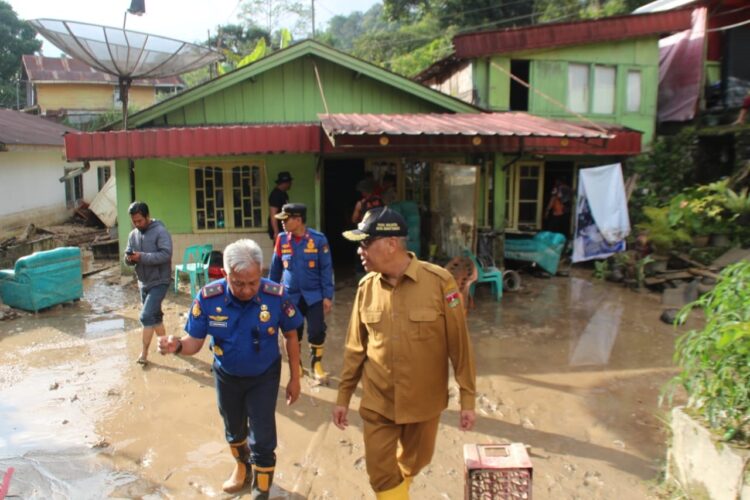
(394, 451)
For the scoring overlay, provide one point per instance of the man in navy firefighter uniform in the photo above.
(243, 313)
(302, 263)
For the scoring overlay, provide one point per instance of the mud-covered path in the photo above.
(570, 367)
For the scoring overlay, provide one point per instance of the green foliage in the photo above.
(274, 14)
(714, 361)
(601, 269)
(238, 39)
(413, 62)
(702, 209)
(662, 235)
(16, 38)
(663, 172)
(640, 270)
(713, 208)
(559, 10)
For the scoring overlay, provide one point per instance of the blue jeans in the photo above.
(151, 314)
(248, 407)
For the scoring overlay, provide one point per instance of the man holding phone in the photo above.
(149, 249)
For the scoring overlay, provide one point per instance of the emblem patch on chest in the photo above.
(310, 248)
(264, 315)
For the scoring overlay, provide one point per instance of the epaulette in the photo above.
(272, 288)
(212, 290)
(441, 272)
(367, 277)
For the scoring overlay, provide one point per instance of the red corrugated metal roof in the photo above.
(193, 142)
(496, 132)
(18, 128)
(543, 36)
(67, 70)
(467, 124)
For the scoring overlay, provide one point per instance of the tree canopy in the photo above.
(16, 39)
(406, 36)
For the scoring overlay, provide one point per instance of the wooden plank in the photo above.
(703, 272)
(685, 258)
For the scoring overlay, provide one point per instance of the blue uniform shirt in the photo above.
(304, 267)
(244, 336)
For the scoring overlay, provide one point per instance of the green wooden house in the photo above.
(205, 160)
(603, 71)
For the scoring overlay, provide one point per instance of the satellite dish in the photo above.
(126, 54)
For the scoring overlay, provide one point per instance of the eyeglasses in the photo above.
(365, 244)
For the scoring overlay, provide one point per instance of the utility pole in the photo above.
(313, 18)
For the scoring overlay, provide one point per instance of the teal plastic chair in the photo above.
(195, 262)
(491, 275)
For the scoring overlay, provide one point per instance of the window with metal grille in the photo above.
(228, 195)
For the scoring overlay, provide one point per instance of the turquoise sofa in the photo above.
(543, 249)
(43, 279)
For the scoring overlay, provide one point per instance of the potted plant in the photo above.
(715, 373)
(662, 235)
(702, 212)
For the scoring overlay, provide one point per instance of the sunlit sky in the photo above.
(188, 20)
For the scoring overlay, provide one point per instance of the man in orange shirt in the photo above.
(407, 322)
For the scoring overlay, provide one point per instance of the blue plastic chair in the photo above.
(491, 275)
(195, 262)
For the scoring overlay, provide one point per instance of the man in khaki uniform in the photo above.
(406, 323)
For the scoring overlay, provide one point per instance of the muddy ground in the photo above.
(568, 366)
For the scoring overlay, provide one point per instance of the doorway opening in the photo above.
(519, 94)
(340, 176)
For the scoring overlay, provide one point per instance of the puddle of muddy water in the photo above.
(568, 366)
(57, 372)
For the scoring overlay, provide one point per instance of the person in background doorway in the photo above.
(407, 324)
(390, 193)
(302, 263)
(243, 314)
(149, 249)
(277, 199)
(369, 199)
(557, 213)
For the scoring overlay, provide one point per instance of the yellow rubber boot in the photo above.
(241, 473)
(400, 492)
(262, 480)
(316, 363)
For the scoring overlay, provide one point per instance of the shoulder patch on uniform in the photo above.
(213, 290)
(272, 288)
(453, 298)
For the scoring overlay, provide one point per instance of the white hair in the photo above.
(241, 255)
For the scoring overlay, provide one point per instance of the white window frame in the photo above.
(594, 97)
(604, 97)
(634, 91)
(579, 98)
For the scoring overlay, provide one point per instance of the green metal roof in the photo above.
(299, 50)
